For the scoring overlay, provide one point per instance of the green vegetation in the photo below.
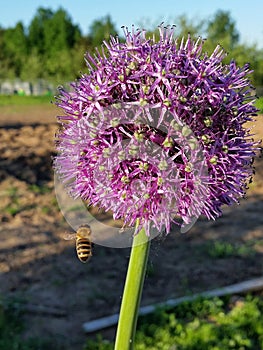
(16, 100)
(11, 328)
(221, 249)
(221, 29)
(39, 189)
(259, 104)
(52, 47)
(14, 205)
(204, 324)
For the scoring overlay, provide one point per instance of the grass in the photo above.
(220, 249)
(203, 324)
(15, 207)
(227, 323)
(39, 189)
(16, 100)
(259, 104)
(11, 329)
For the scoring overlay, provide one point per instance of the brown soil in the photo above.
(40, 270)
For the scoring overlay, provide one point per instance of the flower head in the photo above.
(155, 131)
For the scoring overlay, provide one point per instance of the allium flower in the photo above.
(155, 131)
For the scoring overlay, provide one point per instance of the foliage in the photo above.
(220, 249)
(222, 29)
(53, 47)
(204, 324)
(11, 328)
(259, 104)
(16, 100)
(102, 30)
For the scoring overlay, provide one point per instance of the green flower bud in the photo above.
(206, 139)
(188, 167)
(139, 136)
(106, 152)
(143, 102)
(225, 148)
(167, 102)
(125, 179)
(168, 142)
(114, 122)
(213, 160)
(121, 77)
(208, 122)
(186, 131)
(163, 165)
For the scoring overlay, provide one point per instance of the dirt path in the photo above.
(27, 115)
(39, 268)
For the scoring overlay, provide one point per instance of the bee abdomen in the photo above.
(84, 250)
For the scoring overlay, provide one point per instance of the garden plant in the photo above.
(155, 132)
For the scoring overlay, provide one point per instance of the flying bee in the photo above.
(83, 242)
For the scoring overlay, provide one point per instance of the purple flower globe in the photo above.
(155, 131)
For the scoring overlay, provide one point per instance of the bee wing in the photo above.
(69, 236)
(74, 210)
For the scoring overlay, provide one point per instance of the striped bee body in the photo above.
(83, 242)
(83, 247)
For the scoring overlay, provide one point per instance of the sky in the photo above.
(247, 14)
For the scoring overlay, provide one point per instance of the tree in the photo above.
(222, 29)
(243, 54)
(53, 47)
(101, 30)
(32, 68)
(52, 36)
(189, 26)
(14, 46)
(3, 67)
(59, 32)
(36, 29)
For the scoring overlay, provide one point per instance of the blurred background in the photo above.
(46, 294)
(48, 40)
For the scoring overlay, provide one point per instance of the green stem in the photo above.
(132, 293)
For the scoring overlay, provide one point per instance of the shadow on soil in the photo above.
(58, 293)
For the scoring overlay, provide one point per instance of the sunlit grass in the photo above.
(259, 104)
(16, 100)
(12, 100)
(203, 324)
(220, 250)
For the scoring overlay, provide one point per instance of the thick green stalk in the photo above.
(132, 293)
